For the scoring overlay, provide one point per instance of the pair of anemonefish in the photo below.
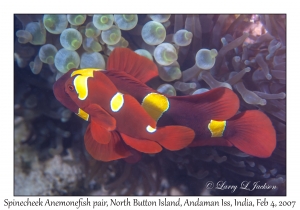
(127, 116)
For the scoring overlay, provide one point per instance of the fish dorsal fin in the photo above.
(128, 84)
(124, 59)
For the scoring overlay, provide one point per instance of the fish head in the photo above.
(61, 95)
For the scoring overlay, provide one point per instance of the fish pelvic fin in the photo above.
(115, 149)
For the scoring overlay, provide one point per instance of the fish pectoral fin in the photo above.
(142, 145)
(115, 149)
(101, 117)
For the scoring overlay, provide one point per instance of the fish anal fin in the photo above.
(174, 137)
(142, 145)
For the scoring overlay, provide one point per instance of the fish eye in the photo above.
(71, 87)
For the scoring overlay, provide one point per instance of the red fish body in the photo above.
(109, 110)
(211, 115)
(112, 110)
(121, 107)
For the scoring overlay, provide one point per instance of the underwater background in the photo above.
(49, 153)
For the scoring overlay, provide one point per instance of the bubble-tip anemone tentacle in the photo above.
(165, 54)
(91, 44)
(211, 81)
(91, 30)
(183, 37)
(144, 53)
(55, 24)
(76, 20)
(126, 22)
(205, 59)
(249, 96)
(170, 73)
(23, 36)
(92, 60)
(71, 39)
(103, 22)
(166, 89)
(47, 53)
(160, 18)
(199, 91)
(38, 32)
(153, 33)
(66, 59)
(122, 43)
(111, 36)
(36, 65)
(184, 86)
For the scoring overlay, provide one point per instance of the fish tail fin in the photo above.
(174, 137)
(124, 59)
(252, 132)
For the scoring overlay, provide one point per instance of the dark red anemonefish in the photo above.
(121, 108)
(96, 99)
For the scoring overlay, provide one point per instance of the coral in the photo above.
(193, 53)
